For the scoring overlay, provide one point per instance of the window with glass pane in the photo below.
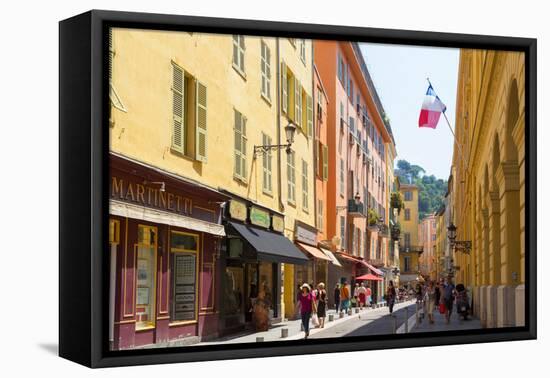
(183, 248)
(146, 267)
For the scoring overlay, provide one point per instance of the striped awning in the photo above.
(314, 251)
(332, 257)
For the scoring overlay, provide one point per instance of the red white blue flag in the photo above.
(432, 107)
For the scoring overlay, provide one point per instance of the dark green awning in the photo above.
(270, 246)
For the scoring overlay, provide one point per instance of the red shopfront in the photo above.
(164, 237)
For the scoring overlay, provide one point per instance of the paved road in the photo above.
(368, 323)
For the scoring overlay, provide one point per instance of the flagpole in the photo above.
(450, 128)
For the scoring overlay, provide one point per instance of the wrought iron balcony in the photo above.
(356, 209)
(412, 248)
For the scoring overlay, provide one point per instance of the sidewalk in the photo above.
(294, 327)
(456, 323)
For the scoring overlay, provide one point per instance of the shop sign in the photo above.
(237, 210)
(306, 236)
(149, 196)
(259, 217)
(277, 223)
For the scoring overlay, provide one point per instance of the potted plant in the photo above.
(396, 201)
(373, 217)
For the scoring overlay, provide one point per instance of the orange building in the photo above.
(355, 135)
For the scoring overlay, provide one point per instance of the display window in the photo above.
(146, 277)
(184, 248)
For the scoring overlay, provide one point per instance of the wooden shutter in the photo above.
(309, 116)
(325, 163)
(200, 122)
(243, 145)
(284, 88)
(178, 89)
(297, 103)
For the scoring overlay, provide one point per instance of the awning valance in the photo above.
(368, 277)
(129, 210)
(313, 251)
(270, 246)
(332, 257)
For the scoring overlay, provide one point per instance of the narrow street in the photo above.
(377, 322)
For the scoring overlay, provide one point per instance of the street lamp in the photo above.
(290, 130)
(464, 246)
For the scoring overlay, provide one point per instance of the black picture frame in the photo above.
(83, 196)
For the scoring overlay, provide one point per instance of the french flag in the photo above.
(432, 107)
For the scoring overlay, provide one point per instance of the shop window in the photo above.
(146, 269)
(184, 251)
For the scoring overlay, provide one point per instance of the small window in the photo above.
(303, 50)
(291, 177)
(305, 187)
(407, 214)
(266, 72)
(238, 53)
(342, 177)
(240, 147)
(266, 165)
(408, 196)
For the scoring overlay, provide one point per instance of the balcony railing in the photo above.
(384, 230)
(412, 248)
(356, 209)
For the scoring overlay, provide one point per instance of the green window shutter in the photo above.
(200, 122)
(284, 86)
(309, 116)
(178, 89)
(297, 102)
(243, 152)
(325, 163)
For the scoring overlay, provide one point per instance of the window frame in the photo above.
(241, 176)
(239, 66)
(265, 71)
(172, 253)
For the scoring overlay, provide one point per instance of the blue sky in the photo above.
(399, 74)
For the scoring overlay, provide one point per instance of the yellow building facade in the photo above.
(233, 93)
(489, 183)
(409, 246)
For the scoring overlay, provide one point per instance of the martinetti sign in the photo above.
(146, 195)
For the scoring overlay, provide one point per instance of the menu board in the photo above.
(184, 286)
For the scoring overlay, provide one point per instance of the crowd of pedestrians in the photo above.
(442, 296)
(312, 301)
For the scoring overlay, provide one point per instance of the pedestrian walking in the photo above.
(390, 296)
(429, 301)
(337, 297)
(355, 300)
(448, 295)
(307, 307)
(345, 296)
(322, 299)
(362, 295)
(368, 294)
